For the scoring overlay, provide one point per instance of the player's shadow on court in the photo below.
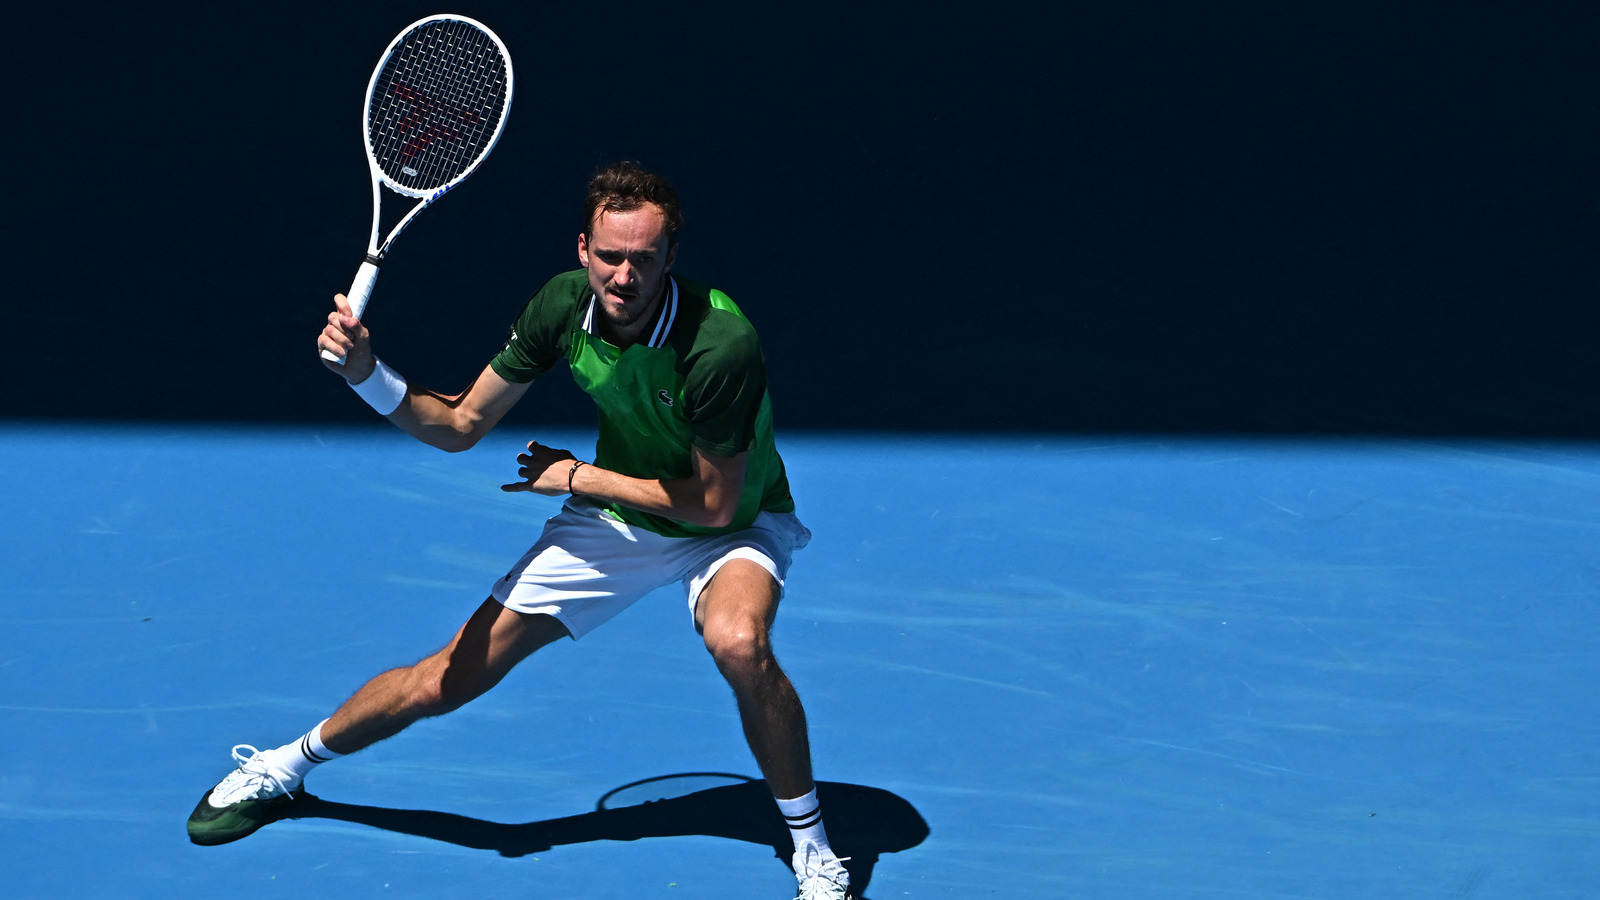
(863, 822)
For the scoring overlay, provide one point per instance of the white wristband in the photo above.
(383, 389)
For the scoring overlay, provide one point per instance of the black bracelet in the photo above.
(573, 471)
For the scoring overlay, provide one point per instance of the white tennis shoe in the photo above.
(250, 797)
(821, 877)
(253, 780)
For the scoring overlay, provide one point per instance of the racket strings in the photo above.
(437, 104)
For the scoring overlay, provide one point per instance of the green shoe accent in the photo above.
(210, 826)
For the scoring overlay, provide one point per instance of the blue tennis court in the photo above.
(1034, 668)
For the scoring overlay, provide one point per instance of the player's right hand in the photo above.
(344, 335)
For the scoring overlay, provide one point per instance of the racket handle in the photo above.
(360, 292)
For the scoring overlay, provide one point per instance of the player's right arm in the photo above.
(450, 422)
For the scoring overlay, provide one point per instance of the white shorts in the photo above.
(587, 566)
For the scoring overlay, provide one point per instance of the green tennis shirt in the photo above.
(697, 379)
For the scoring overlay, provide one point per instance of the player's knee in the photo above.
(741, 649)
(458, 688)
(439, 688)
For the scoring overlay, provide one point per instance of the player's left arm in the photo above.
(708, 496)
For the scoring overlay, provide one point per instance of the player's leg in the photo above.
(734, 614)
(483, 650)
(568, 583)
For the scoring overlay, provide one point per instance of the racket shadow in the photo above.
(863, 823)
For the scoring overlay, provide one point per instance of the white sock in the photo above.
(300, 757)
(804, 815)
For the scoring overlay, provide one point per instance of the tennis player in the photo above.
(686, 487)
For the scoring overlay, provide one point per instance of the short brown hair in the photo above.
(625, 186)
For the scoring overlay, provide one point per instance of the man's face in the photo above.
(628, 256)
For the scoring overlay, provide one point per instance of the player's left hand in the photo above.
(543, 470)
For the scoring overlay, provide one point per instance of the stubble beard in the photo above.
(631, 312)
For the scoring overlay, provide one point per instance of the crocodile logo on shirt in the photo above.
(664, 397)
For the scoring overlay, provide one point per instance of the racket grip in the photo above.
(360, 292)
(361, 288)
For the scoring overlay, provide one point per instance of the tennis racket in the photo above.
(436, 105)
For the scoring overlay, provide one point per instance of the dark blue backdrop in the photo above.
(1272, 217)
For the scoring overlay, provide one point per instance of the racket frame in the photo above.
(367, 274)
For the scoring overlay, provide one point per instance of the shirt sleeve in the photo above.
(539, 336)
(725, 386)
